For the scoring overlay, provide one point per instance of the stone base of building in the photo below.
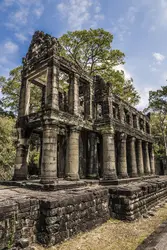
(131, 201)
(126, 180)
(29, 216)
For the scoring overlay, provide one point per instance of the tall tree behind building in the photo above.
(92, 51)
(158, 108)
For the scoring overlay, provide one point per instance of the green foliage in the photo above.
(92, 51)
(158, 107)
(7, 148)
(10, 88)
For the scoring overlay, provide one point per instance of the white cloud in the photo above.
(9, 53)
(79, 13)
(10, 47)
(131, 14)
(121, 67)
(22, 13)
(144, 94)
(158, 57)
(21, 37)
(121, 27)
(39, 11)
(153, 68)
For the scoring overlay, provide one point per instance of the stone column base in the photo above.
(72, 177)
(123, 176)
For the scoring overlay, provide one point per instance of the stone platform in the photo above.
(49, 217)
(61, 184)
(28, 216)
(131, 201)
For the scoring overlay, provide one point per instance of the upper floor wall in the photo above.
(68, 91)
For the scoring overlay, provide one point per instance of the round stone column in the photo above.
(93, 160)
(139, 157)
(22, 153)
(72, 166)
(49, 154)
(132, 162)
(147, 170)
(122, 160)
(152, 162)
(109, 168)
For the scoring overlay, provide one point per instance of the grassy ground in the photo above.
(114, 235)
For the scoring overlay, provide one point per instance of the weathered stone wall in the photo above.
(51, 218)
(131, 201)
(18, 220)
(63, 218)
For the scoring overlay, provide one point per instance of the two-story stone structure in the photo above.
(86, 131)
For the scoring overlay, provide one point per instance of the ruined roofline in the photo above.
(44, 47)
(140, 113)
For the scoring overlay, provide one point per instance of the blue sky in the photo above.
(139, 28)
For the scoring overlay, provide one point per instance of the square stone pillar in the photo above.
(49, 154)
(146, 159)
(109, 167)
(93, 158)
(139, 157)
(88, 100)
(22, 153)
(24, 101)
(74, 94)
(72, 166)
(52, 87)
(122, 160)
(132, 156)
(152, 162)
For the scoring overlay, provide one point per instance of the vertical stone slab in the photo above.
(122, 161)
(72, 166)
(132, 162)
(152, 162)
(40, 154)
(49, 154)
(93, 158)
(109, 167)
(21, 161)
(139, 157)
(52, 92)
(24, 100)
(88, 100)
(147, 170)
(74, 94)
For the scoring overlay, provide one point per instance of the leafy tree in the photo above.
(158, 107)
(92, 51)
(89, 49)
(10, 88)
(7, 148)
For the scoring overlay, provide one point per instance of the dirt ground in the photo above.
(114, 234)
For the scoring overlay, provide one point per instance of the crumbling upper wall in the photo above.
(91, 103)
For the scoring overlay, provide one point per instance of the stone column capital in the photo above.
(75, 129)
(50, 125)
(123, 136)
(76, 75)
(132, 139)
(107, 131)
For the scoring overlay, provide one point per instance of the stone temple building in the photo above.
(96, 154)
(86, 131)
